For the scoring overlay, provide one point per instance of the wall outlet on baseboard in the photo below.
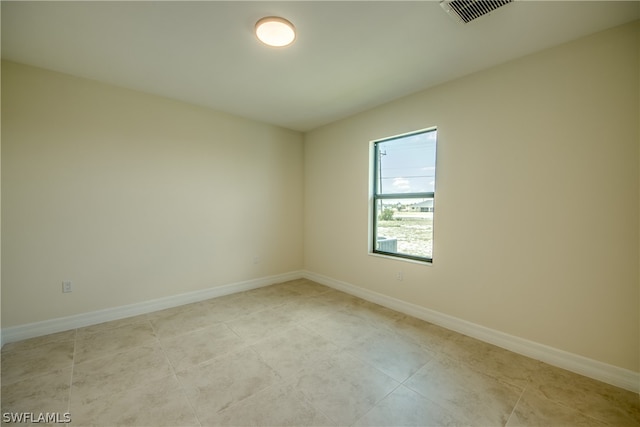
(66, 286)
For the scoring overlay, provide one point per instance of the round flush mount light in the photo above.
(275, 31)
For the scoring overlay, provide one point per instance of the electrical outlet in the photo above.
(66, 286)
(256, 259)
(399, 276)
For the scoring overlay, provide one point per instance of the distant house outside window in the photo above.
(404, 175)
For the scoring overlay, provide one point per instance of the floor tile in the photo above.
(31, 343)
(293, 350)
(230, 307)
(296, 353)
(180, 320)
(40, 360)
(118, 372)
(341, 328)
(258, 325)
(381, 316)
(225, 381)
(497, 362)
(112, 340)
(397, 357)
(275, 295)
(535, 410)
(306, 288)
(432, 337)
(308, 308)
(595, 399)
(156, 403)
(479, 398)
(278, 405)
(404, 407)
(343, 387)
(194, 348)
(339, 299)
(99, 327)
(46, 393)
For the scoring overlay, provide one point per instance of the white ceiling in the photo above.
(348, 57)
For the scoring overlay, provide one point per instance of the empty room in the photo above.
(320, 213)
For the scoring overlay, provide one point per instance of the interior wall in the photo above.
(134, 197)
(537, 198)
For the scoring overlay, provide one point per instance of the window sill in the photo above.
(397, 258)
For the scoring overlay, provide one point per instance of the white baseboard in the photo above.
(31, 330)
(604, 372)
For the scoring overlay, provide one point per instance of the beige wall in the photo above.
(537, 202)
(135, 197)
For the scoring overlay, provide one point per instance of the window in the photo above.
(404, 170)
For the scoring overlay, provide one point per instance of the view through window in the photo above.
(404, 173)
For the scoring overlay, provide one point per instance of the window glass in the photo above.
(407, 164)
(404, 195)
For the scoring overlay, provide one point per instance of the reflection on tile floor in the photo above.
(294, 354)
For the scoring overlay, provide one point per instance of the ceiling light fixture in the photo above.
(275, 31)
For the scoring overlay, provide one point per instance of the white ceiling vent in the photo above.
(468, 10)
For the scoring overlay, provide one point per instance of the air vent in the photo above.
(468, 10)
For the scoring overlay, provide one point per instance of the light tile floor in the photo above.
(294, 354)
